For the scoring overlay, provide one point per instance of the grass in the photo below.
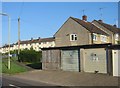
(15, 68)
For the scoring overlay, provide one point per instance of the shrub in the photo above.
(30, 55)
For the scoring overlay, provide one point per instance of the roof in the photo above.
(109, 27)
(39, 40)
(89, 26)
(80, 46)
(11, 45)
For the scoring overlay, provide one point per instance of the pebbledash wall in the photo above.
(97, 58)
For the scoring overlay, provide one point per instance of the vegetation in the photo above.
(30, 56)
(15, 67)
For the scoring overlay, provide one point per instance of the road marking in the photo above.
(14, 86)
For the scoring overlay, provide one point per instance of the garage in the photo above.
(116, 62)
(69, 60)
(95, 60)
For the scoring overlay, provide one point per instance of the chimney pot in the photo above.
(100, 21)
(115, 25)
(31, 39)
(84, 17)
(39, 38)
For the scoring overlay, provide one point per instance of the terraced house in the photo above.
(111, 30)
(36, 44)
(84, 46)
(80, 32)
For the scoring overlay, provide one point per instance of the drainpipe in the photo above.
(113, 39)
(91, 38)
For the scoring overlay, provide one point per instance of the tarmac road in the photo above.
(11, 82)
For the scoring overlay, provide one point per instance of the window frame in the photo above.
(73, 37)
(103, 38)
(95, 38)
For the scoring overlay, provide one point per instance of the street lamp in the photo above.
(4, 14)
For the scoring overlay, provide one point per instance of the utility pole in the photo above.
(18, 38)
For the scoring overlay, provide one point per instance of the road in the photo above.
(8, 81)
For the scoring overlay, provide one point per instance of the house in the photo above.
(79, 32)
(36, 44)
(112, 30)
(83, 46)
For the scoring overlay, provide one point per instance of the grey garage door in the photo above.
(69, 60)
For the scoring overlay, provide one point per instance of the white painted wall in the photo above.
(36, 46)
(116, 62)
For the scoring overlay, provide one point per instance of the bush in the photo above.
(30, 56)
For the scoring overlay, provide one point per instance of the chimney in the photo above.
(39, 38)
(100, 21)
(114, 25)
(31, 39)
(84, 17)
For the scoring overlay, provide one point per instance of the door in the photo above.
(95, 60)
(69, 60)
(116, 62)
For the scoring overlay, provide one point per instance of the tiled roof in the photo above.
(109, 27)
(37, 40)
(89, 26)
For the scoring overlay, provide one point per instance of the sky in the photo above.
(43, 19)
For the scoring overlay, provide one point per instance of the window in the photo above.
(94, 37)
(103, 38)
(73, 37)
(116, 37)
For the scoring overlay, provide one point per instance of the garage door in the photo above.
(116, 62)
(95, 60)
(69, 60)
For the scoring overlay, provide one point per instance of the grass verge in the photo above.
(15, 68)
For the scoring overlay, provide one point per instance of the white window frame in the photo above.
(103, 38)
(74, 37)
(117, 37)
(95, 38)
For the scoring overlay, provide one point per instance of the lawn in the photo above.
(15, 68)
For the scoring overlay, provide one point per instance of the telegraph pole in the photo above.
(18, 37)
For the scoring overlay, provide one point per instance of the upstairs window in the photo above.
(116, 37)
(94, 37)
(103, 38)
(73, 37)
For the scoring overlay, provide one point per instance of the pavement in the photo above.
(64, 78)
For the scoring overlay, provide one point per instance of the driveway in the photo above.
(69, 78)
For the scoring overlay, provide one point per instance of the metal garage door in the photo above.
(69, 60)
(95, 60)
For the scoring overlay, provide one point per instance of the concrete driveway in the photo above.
(69, 78)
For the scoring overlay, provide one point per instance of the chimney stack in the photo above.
(31, 39)
(84, 17)
(100, 21)
(114, 25)
(39, 38)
